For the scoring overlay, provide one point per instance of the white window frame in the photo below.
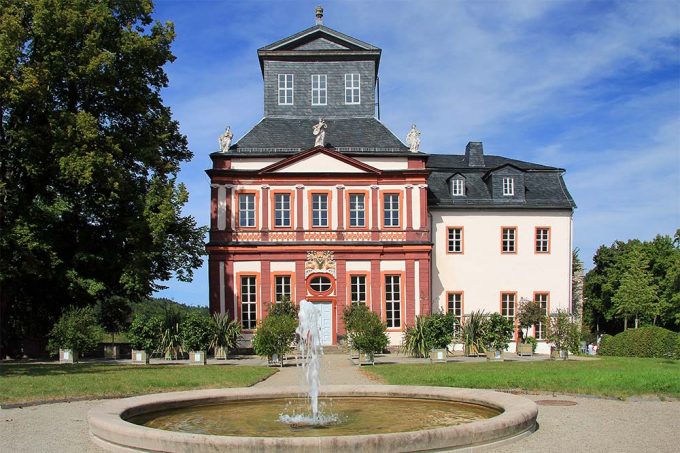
(353, 89)
(319, 207)
(540, 328)
(542, 244)
(391, 203)
(283, 287)
(393, 301)
(455, 240)
(508, 186)
(454, 304)
(458, 187)
(358, 289)
(508, 310)
(286, 90)
(282, 210)
(508, 240)
(247, 210)
(357, 205)
(248, 299)
(319, 89)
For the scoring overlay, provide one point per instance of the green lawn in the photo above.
(27, 382)
(611, 376)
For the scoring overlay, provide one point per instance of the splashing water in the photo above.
(311, 351)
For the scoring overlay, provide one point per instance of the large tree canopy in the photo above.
(634, 279)
(90, 206)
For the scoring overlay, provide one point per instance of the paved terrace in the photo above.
(591, 424)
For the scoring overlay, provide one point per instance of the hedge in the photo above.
(643, 342)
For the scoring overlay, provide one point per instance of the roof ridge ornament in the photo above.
(319, 15)
(413, 139)
(319, 132)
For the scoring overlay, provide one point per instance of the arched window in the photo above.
(320, 284)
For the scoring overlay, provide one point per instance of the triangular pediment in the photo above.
(320, 160)
(322, 44)
(318, 37)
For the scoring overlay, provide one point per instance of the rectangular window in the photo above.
(249, 302)
(319, 89)
(455, 240)
(285, 89)
(458, 187)
(542, 240)
(455, 306)
(282, 210)
(282, 288)
(509, 239)
(391, 210)
(393, 301)
(246, 210)
(357, 210)
(319, 210)
(508, 186)
(539, 329)
(358, 289)
(508, 306)
(352, 90)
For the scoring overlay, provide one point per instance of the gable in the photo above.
(319, 160)
(321, 44)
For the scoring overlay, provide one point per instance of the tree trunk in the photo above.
(636, 321)
(625, 323)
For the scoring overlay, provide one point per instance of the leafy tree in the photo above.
(159, 306)
(529, 313)
(284, 307)
(275, 335)
(89, 155)
(563, 332)
(76, 329)
(352, 316)
(369, 334)
(498, 331)
(636, 294)
(114, 315)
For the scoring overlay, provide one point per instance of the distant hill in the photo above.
(161, 305)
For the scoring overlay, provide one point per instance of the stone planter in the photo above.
(353, 354)
(366, 358)
(525, 349)
(220, 353)
(494, 355)
(140, 357)
(68, 356)
(111, 351)
(198, 357)
(438, 355)
(275, 360)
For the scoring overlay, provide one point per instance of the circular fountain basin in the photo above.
(511, 417)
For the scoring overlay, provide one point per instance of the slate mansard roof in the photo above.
(543, 185)
(292, 135)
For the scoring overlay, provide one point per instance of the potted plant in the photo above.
(76, 332)
(530, 313)
(171, 337)
(197, 331)
(274, 336)
(144, 335)
(352, 316)
(430, 336)
(113, 314)
(369, 336)
(226, 333)
(472, 333)
(563, 333)
(496, 336)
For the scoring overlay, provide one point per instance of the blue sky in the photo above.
(589, 86)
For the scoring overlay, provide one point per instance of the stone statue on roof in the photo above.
(319, 132)
(413, 139)
(225, 140)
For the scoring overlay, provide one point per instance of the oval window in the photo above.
(320, 284)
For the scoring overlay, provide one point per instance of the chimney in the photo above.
(319, 15)
(474, 154)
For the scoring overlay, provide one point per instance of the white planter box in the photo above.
(68, 356)
(140, 357)
(198, 357)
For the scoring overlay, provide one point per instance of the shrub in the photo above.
(171, 338)
(533, 342)
(497, 333)
(563, 332)
(428, 332)
(643, 342)
(274, 335)
(197, 331)
(353, 315)
(76, 329)
(285, 307)
(145, 333)
(472, 332)
(529, 313)
(369, 335)
(226, 332)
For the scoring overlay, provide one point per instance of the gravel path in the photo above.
(592, 424)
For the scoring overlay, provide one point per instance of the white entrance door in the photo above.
(326, 309)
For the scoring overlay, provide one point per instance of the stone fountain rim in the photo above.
(111, 431)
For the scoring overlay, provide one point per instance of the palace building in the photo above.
(321, 201)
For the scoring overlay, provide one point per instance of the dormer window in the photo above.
(508, 186)
(458, 187)
(352, 89)
(285, 89)
(319, 89)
